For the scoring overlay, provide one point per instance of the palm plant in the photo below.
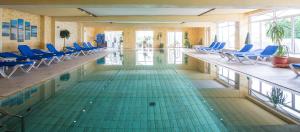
(65, 34)
(276, 32)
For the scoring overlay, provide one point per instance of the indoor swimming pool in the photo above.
(135, 90)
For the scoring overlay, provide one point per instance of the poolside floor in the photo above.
(20, 80)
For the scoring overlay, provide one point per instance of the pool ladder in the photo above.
(5, 113)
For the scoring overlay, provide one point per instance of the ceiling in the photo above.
(121, 11)
(53, 11)
(146, 11)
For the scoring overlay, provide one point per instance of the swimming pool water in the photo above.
(134, 96)
(120, 100)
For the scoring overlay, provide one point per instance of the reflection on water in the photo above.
(115, 58)
(175, 56)
(145, 56)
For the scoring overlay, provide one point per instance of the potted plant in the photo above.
(186, 40)
(277, 33)
(159, 38)
(276, 97)
(65, 34)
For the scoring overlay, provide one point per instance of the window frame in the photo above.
(226, 79)
(293, 94)
(227, 25)
(273, 17)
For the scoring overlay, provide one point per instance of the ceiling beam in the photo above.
(87, 12)
(210, 10)
(256, 4)
(179, 19)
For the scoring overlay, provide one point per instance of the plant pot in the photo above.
(280, 61)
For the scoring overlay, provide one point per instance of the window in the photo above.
(144, 39)
(114, 39)
(174, 39)
(226, 33)
(226, 75)
(262, 90)
(290, 19)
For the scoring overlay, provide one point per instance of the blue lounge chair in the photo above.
(231, 54)
(15, 66)
(266, 53)
(57, 57)
(209, 47)
(26, 51)
(219, 48)
(78, 48)
(97, 48)
(52, 49)
(215, 46)
(86, 46)
(296, 68)
(6, 55)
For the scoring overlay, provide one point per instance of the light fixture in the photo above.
(207, 11)
(87, 12)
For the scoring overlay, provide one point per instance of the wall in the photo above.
(89, 34)
(10, 14)
(46, 31)
(43, 24)
(195, 33)
(74, 29)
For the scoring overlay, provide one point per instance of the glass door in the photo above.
(144, 39)
(174, 39)
(114, 39)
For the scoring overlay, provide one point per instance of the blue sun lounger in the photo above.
(26, 51)
(78, 48)
(6, 55)
(86, 46)
(231, 54)
(15, 65)
(219, 48)
(57, 57)
(265, 54)
(52, 49)
(97, 48)
(207, 48)
(215, 46)
(295, 67)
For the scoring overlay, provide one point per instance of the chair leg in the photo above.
(28, 69)
(297, 72)
(50, 61)
(38, 65)
(57, 59)
(2, 72)
(13, 71)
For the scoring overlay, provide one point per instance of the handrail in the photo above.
(5, 113)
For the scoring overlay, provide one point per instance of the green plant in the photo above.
(277, 33)
(186, 40)
(159, 38)
(276, 97)
(65, 34)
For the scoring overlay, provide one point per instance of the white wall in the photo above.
(73, 27)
